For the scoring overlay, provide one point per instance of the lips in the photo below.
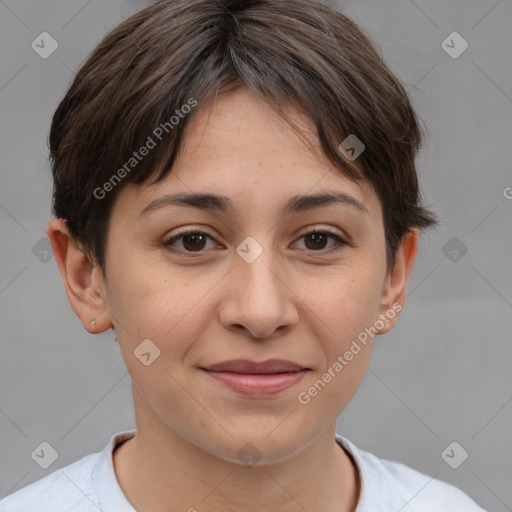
(270, 366)
(257, 379)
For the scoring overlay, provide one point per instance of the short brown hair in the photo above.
(301, 53)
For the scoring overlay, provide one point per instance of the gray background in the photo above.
(442, 375)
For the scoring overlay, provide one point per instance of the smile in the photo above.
(257, 384)
(257, 378)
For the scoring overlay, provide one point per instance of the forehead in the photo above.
(238, 146)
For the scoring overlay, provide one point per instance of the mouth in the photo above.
(257, 378)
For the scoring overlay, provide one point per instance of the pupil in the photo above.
(195, 239)
(317, 238)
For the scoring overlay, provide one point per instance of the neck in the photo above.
(159, 470)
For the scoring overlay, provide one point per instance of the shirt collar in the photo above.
(111, 496)
(378, 492)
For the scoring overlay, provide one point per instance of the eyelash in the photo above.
(340, 242)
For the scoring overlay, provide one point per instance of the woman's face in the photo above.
(253, 285)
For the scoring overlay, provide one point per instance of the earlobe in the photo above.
(82, 279)
(395, 288)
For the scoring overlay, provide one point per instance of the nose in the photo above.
(259, 297)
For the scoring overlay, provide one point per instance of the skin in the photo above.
(300, 300)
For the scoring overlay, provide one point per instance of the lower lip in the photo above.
(258, 384)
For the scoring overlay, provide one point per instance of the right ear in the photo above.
(83, 279)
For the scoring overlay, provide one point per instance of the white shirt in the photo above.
(90, 485)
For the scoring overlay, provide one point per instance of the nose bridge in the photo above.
(259, 297)
(258, 269)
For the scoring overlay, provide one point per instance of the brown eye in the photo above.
(316, 241)
(191, 241)
(194, 241)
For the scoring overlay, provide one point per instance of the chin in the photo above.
(259, 449)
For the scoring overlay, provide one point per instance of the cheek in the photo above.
(159, 302)
(345, 303)
(343, 310)
(335, 382)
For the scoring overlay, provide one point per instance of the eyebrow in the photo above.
(223, 204)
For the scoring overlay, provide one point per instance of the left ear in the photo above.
(395, 286)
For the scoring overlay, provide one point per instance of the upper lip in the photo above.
(246, 366)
